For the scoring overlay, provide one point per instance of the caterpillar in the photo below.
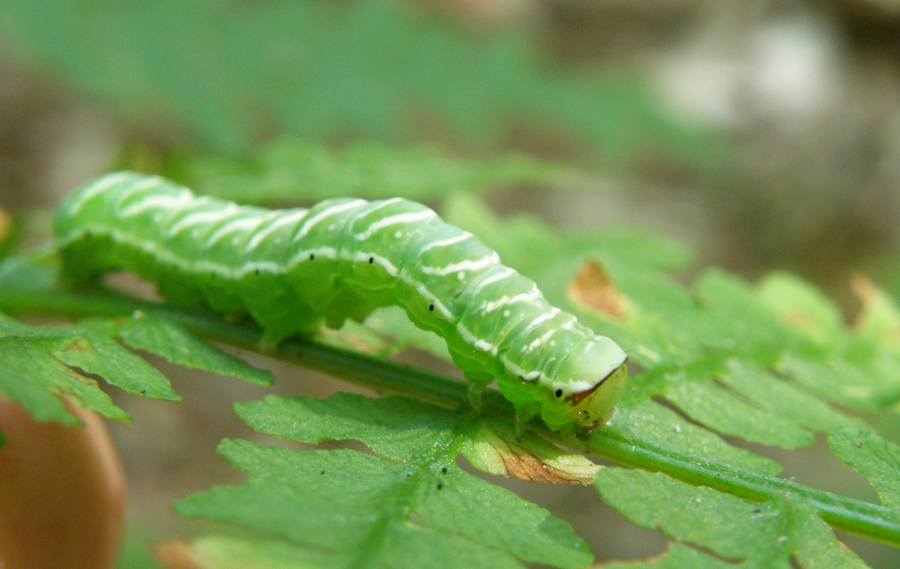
(293, 270)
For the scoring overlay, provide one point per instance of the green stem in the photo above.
(359, 369)
(853, 516)
(861, 518)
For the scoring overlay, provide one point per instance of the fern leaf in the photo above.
(410, 501)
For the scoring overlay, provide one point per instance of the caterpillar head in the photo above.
(593, 407)
(588, 385)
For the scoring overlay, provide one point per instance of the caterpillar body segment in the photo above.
(292, 270)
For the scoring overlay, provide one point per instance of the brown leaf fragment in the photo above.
(530, 458)
(525, 466)
(592, 289)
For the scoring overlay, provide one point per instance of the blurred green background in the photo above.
(763, 134)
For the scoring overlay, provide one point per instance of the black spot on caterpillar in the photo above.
(293, 270)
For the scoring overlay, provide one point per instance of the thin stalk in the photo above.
(356, 368)
(853, 516)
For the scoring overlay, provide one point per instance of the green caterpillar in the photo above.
(293, 269)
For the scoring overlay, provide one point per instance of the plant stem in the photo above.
(853, 516)
(359, 369)
(861, 518)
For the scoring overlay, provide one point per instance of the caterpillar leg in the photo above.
(475, 392)
(268, 344)
(523, 415)
(276, 331)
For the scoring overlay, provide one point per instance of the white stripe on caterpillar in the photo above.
(325, 214)
(468, 265)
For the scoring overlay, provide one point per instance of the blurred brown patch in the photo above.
(62, 492)
(176, 555)
(6, 225)
(878, 314)
(592, 289)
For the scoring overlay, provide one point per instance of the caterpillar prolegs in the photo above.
(293, 269)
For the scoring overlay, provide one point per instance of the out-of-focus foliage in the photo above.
(231, 72)
(288, 170)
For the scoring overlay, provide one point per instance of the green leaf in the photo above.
(34, 270)
(660, 427)
(804, 307)
(97, 352)
(713, 406)
(43, 364)
(816, 546)
(33, 378)
(407, 504)
(730, 528)
(734, 318)
(676, 557)
(397, 428)
(231, 552)
(418, 549)
(180, 347)
(872, 456)
(394, 426)
(839, 381)
(783, 399)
